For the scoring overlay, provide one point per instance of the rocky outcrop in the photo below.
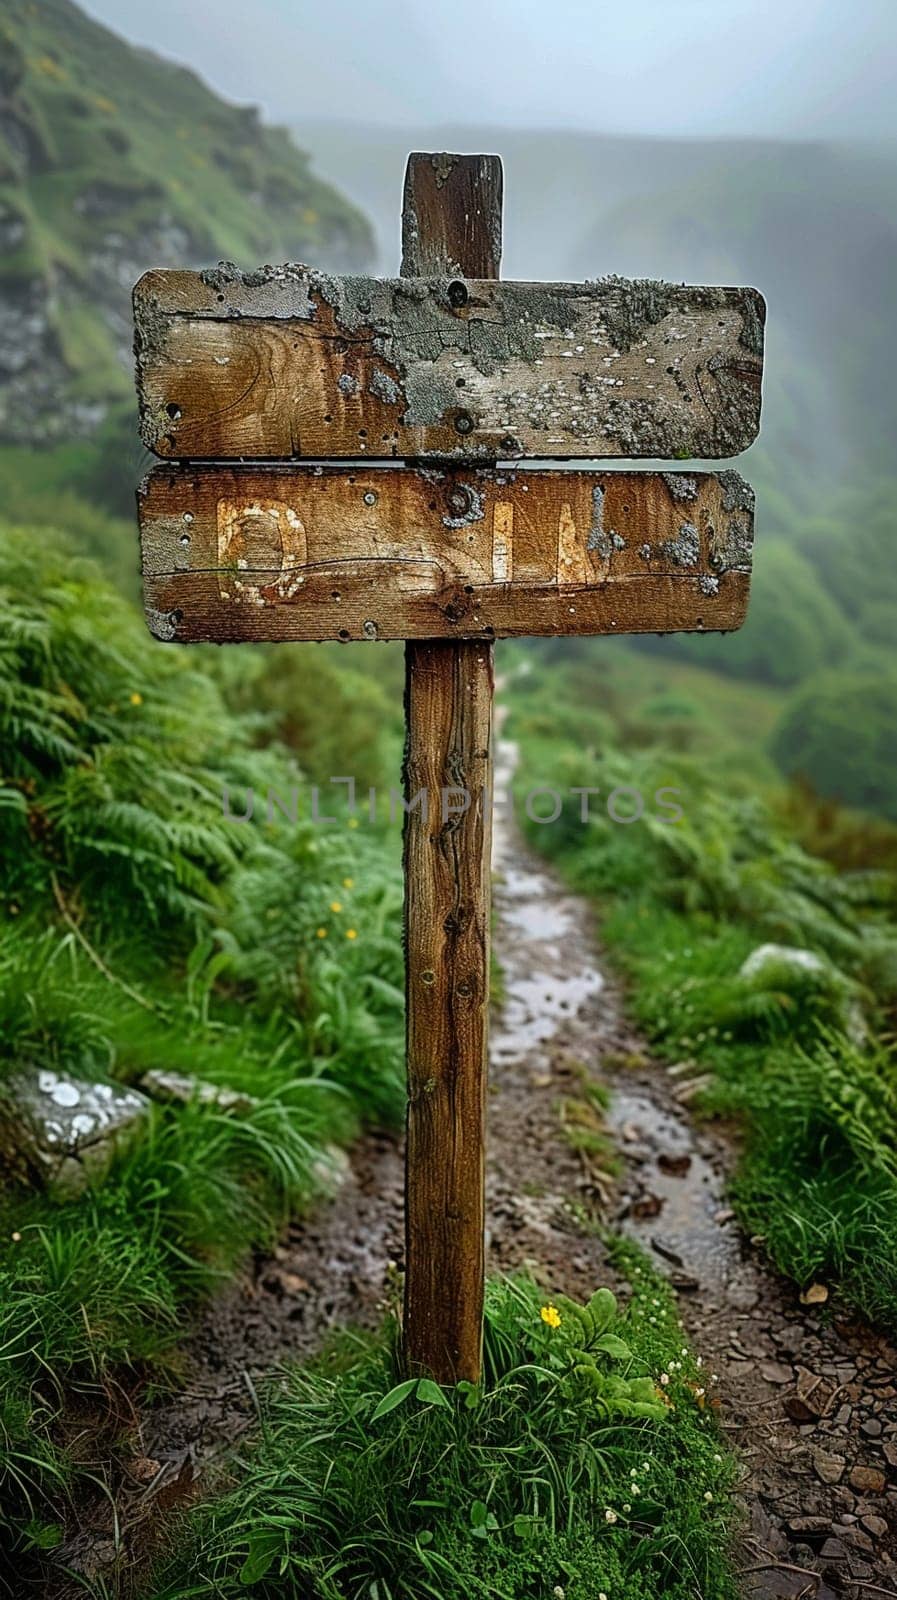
(113, 161)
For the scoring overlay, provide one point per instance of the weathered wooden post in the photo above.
(451, 227)
(452, 369)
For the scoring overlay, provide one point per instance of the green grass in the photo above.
(794, 1055)
(47, 489)
(140, 928)
(588, 1462)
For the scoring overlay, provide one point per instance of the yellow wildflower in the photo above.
(136, 699)
(322, 933)
(335, 905)
(351, 934)
(352, 822)
(551, 1315)
(348, 883)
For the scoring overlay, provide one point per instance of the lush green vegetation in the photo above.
(587, 1463)
(820, 628)
(143, 928)
(789, 1045)
(838, 733)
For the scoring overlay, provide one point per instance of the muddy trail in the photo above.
(808, 1398)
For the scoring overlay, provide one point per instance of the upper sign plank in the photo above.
(289, 363)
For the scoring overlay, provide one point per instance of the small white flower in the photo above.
(610, 1516)
(707, 1495)
(632, 1472)
(700, 1361)
(646, 1466)
(602, 1595)
(634, 1488)
(718, 1460)
(700, 1393)
(664, 1378)
(558, 1592)
(684, 1350)
(627, 1509)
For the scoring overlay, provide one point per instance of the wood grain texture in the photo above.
(389, 552)
(289, 363)
(448, 709)
(451, 216)
(451, 219)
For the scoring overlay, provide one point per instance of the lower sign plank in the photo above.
(251, 553)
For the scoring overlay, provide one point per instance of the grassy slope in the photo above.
(139, 928)
(732, 715)
(683, 906)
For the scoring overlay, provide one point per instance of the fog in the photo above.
(672, 68)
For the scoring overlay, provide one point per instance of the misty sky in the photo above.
(823, 68)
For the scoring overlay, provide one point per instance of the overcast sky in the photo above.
(792, 67)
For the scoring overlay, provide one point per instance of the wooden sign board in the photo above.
(453, 371)
(289, 363)
(403, 553)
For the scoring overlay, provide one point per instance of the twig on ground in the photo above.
(91, 953)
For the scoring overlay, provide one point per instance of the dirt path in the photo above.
(810, 1402)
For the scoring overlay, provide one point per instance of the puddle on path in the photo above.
(675, 1204)
(542, 941)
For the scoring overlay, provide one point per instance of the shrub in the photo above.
(837, 733)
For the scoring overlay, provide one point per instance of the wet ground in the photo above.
(809, 1400)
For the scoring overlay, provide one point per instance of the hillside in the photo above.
(112, 160)
(766, 218)
(811, 225)
(579, 205)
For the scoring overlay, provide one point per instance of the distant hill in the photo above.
(112, 160)
(815, 227)
(812, 225)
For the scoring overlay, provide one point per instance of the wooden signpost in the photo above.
(452, 371)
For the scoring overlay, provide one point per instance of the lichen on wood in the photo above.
(289, 362)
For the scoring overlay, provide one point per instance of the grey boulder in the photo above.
(64, 1130)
